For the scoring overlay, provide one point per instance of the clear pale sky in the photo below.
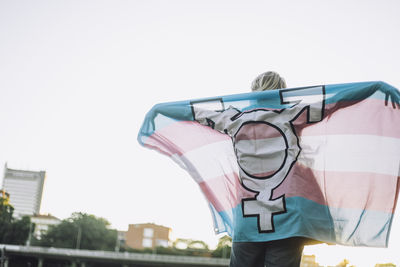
(77, 77)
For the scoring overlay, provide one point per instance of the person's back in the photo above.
(278, 253)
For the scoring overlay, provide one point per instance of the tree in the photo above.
(12, 230)
(224, 246)
(343, 263)
(82, 231)
(6, 212)
(197, 244)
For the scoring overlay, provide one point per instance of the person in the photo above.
(269, 80)
(244, 125)
(278, 253)
(237, 124)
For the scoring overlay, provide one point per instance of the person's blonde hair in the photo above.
(268, 81)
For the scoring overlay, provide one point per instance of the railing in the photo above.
(80, 257)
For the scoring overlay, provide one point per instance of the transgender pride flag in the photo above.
(320, 162)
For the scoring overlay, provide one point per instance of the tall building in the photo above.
(25, 189)
(147, 235)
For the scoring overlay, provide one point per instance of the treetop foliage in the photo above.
(13, 231)
(82, 231)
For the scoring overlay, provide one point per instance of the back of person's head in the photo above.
(269, 80)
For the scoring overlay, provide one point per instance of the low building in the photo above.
(42, 223)
(308, 261)
(147, 235)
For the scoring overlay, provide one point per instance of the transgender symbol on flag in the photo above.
(266, 145)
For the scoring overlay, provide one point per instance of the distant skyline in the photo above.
(77, 78)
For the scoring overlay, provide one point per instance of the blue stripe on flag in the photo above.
(310, 219)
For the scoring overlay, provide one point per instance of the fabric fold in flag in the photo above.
(320, 162)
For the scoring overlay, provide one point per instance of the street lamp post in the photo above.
(78, 238)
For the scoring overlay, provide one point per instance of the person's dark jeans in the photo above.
(278, 253)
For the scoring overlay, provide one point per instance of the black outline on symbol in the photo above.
(263, 178)
(286, 148)
(272, 213)
(282, 196)
(205, 101)
(307, 107)
(239, 114)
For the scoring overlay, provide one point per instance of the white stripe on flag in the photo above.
(212, 160)
(351, 153)
(339, 153)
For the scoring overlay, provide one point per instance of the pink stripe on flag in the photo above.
(224, 192)
(366, 117)
(153, 143)
(184, 136)
(256, 130)
(334, 189)
(341, 189)
(370, 117)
